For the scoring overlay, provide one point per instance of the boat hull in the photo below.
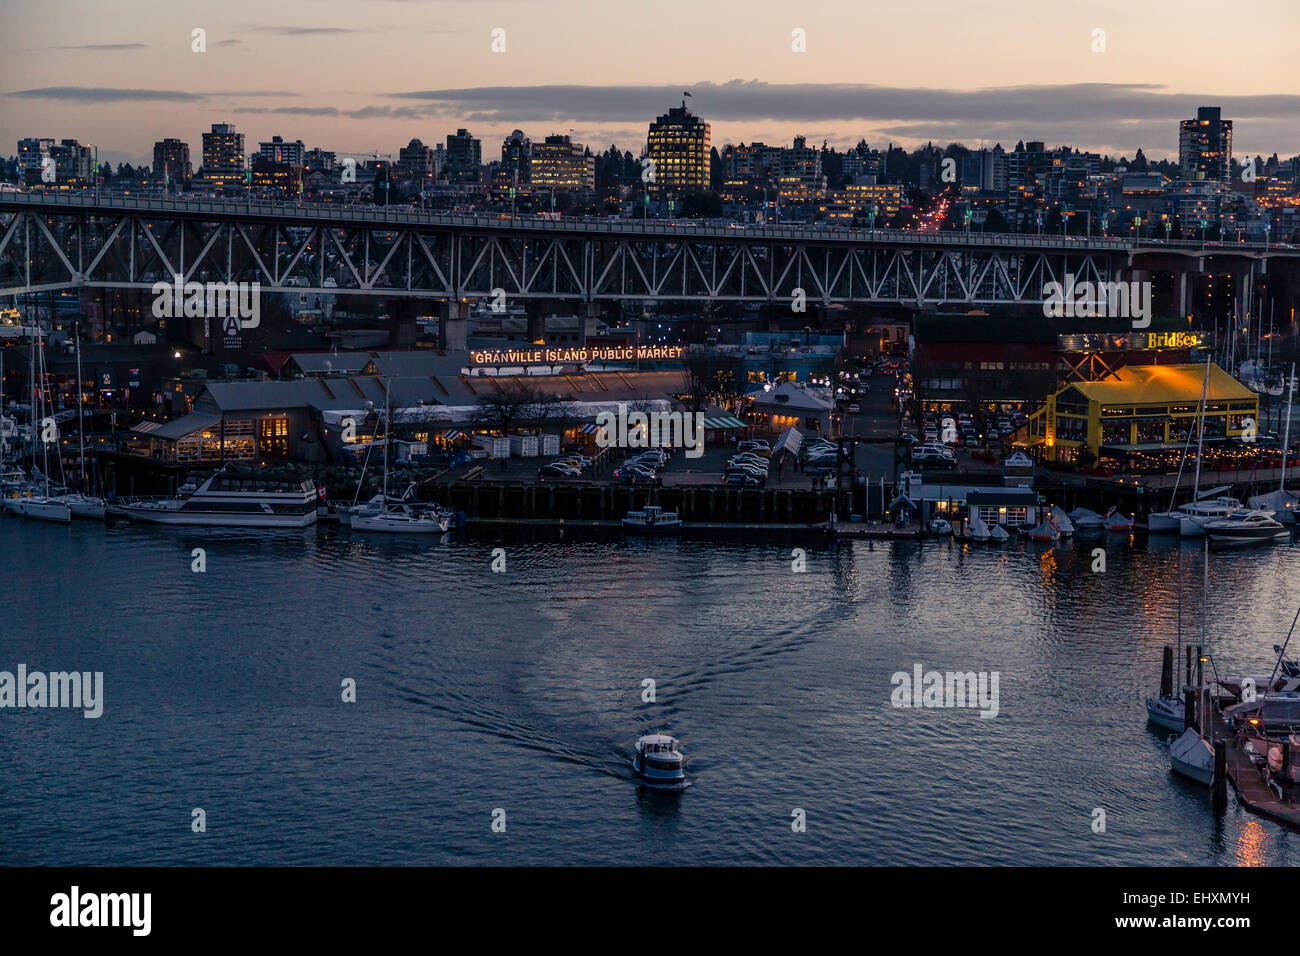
(380, 525)
(1163, 523)
(214, 519)
(1166, 713)
(1191, 756)
(43, 510)
(641, 528)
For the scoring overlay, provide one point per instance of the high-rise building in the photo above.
(464, 156)
(278, 151)
(223, 155)
(73, 162)
(417, 161)
(30, 153)
(1205, 146)
(171, 162)
(559, 163)
(678, 146)
(516, 158)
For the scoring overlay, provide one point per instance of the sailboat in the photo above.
(1168, 709)
(42, 507)
(1282, 503)
(81, 505)
(397, 517)
(1191, 755)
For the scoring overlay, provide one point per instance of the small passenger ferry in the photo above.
(232, 498)
(658, 762)
(652, 520)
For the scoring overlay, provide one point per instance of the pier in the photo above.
(1252, 790)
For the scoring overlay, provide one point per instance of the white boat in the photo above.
(1166, 712)
(401, 519)
(1118, 522)
(1246, 526)
(1192, 756)
(1085, 520)
(998, 534)
(652, 520)
(1062, 521)
(940, 527)
(232, 498)
(83, 506)
(979, 531)
(1195, 515)
(40, 508)
(659, 763)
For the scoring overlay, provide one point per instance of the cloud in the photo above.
(100, 94)
(102, 46)
(752, 100)
(295, 31)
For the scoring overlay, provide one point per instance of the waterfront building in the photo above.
(678, 145)
(1205, 146)
(223, 156)
(559, 163)
(318, 160)
(464, 157)
(1140, 408)
(171, 162)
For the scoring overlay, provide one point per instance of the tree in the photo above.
(504, 410)
(711, 377)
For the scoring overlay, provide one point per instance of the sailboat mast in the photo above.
(1200, 435)
(1286, 429)
(81, 428)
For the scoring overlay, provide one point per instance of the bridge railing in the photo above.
(371, 215)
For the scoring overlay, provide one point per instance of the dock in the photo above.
(1253, 793)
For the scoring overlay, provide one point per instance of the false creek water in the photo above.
(522, 691)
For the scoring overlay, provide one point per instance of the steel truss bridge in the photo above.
(80, 241)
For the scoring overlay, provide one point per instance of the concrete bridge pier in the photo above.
(453, 324)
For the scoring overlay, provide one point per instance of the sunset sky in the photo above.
(360, 76)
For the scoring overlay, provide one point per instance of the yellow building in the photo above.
(678, 146)
(559, 163)
(1141, 408)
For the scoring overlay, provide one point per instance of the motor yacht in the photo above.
(1246, 526)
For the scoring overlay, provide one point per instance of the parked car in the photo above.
(557, 471)
(744, 480)
(636, 476)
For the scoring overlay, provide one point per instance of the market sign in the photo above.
(1120, 341)
(577, 356)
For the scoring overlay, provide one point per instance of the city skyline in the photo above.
(399, 70)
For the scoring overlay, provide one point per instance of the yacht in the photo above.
(83, 506)
(232, 498)
(659, 763)
(40, 507)
(1189, 519)
(1245, 526)
(401, 519)
(1166, 712)
(652, 520)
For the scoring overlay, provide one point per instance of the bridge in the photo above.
(53, 241)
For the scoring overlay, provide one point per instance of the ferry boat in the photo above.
(1246, 526)
(232, 498)
(652, 520)
(658, 762)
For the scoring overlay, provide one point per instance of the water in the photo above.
(522, 691)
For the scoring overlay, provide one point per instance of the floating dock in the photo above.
(1255, 795)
